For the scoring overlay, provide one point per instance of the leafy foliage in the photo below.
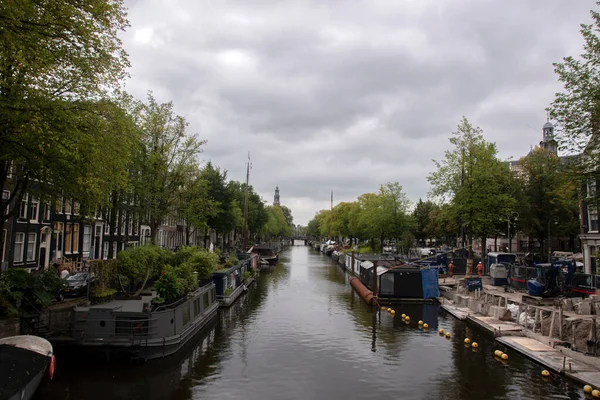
(203, 262)
(473, 182)
(136, 265)
(21, 291)
(170, 286)
(59, 63)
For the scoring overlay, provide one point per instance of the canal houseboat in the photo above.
(144, 331)
(268, 252)
(395, 279)
(231, 282)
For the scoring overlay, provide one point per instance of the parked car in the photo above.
(77, 285)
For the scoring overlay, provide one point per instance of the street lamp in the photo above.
(511, 215)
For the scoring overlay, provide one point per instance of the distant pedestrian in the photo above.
(450, 270)
(480, 269)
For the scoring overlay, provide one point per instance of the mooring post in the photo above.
(375, 289)
(560, 321)
(352, 266)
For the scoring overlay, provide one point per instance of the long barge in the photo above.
(136, 328)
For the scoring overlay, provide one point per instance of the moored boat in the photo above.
(268, 252)
(135, 327)
(23, 361)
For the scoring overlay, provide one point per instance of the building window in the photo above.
(46, 216)
(87, 238)
(75, 238)
(19, 239)
(31, 241)
(59, 206)
(68, 206)
(35, 206)
(75, 208)
(5, 197)
(58, 227)
(593, 215)
(23, 208)
(68, 239)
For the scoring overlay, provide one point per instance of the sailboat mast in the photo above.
(246, 204)
(331, 218)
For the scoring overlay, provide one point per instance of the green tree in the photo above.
(550, 197)
(257, 215)
(383, 215)
(277, 225)
(473, 181)
(287, 213)
(195, 204)
(166, 158)
(224, 219)
(58, 60)
(423, 227)
(577, 109)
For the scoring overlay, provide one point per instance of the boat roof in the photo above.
(133, 305)
(375, 257)
(18, 366)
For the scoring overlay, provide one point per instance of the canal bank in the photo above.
(490, 311)
(301, 332)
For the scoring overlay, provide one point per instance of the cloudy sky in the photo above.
(346, 95)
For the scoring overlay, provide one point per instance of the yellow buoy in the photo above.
(545, 373)
(389, 309)
(498, 353)
(587, 389)
(425, 326)
(596, 393)
(467, 340)
(474, 345)
(420, 322)
(441, 331)
(504, 356)
(448, 335)
(403, 316)
(407, 318)
(393, 312)
(383, 308)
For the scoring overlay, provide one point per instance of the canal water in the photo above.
(302, 333)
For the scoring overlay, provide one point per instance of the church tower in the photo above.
(276, 198)
(548, 142)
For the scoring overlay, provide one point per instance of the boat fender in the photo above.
(51, 367)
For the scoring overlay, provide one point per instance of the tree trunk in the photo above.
(141, 289)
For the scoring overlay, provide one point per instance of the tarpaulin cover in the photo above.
(429, 277)
(18, 367)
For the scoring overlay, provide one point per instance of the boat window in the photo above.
(205, 300)
(196, 307)
(185, 314)
(387, 284)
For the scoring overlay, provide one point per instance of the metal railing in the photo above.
(131, 330)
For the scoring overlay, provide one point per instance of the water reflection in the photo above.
(301, 332)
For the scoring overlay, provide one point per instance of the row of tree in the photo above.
(67, 131)
(474, 195)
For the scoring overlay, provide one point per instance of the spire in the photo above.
(276, 201)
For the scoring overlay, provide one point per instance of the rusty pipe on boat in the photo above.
(363, 292)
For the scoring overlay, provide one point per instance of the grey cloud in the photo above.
(345, 96)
